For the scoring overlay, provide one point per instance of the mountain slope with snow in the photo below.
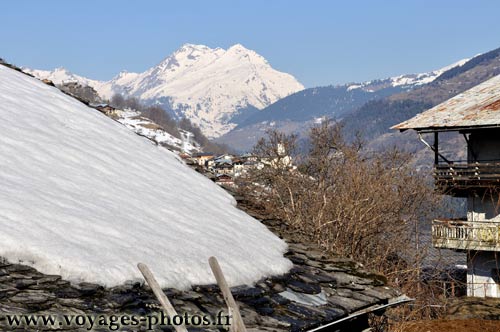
(208, 86)
(406, 81)
(299, 111)
(336, 101)
(147, 128)
(86, 198)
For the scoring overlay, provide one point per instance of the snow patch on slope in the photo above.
(86, 198)
(408, 80)
(145, 127)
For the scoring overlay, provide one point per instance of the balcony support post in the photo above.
(469, 147)
(436, 148)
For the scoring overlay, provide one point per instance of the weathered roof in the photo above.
(477, 107)
(203, 154)
(224, 161)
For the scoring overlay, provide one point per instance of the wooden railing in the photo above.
(466, 235)
(459, 176)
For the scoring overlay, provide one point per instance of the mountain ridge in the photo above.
(303, 109)
(207, 85)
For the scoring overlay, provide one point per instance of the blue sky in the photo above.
(319, 42)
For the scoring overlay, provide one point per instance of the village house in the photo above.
(107, 110)
(184, 156)
(48, 82)
(224, 179)
(238, 166)
(225, 156)
(210, 163)
(249, 157)
(474, 114)
(224, 167)
(202, 157)
(251, 164)
(232, 166)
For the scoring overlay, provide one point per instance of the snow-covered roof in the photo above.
(478, 107)
(86, 198)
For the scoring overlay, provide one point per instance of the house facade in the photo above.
(202, 157)
(475, 115)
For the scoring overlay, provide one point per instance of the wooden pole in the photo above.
(436, 148)
(155, 287)
(234, 310)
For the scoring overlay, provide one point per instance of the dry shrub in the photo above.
(358, 204)
(352, 202)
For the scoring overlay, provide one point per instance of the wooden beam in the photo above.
(436, 148)
(234, 310)
(469, 148)
(155, 287)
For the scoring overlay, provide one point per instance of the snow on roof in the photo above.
(477, 107)
(84, 197)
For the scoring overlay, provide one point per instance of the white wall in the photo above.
(481, 208)
(482, 274)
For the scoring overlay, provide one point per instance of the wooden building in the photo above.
(475, 115)
(224, 179)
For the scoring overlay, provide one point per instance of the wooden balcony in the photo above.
(466, 235)
(460, 178)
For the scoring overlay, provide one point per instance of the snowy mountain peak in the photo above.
(239, 48)
(61, 70)
(207, 85)
(124, 73)
(188, 50)
(183, 57)
(188, 46)
(244, 53)
(210, 86)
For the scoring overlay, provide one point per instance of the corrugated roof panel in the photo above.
(477, 107)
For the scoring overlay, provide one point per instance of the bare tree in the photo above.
(352, 202)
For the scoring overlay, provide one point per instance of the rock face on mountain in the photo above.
(211, 87)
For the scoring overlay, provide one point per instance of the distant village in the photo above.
(223, 169)
(226, 168)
